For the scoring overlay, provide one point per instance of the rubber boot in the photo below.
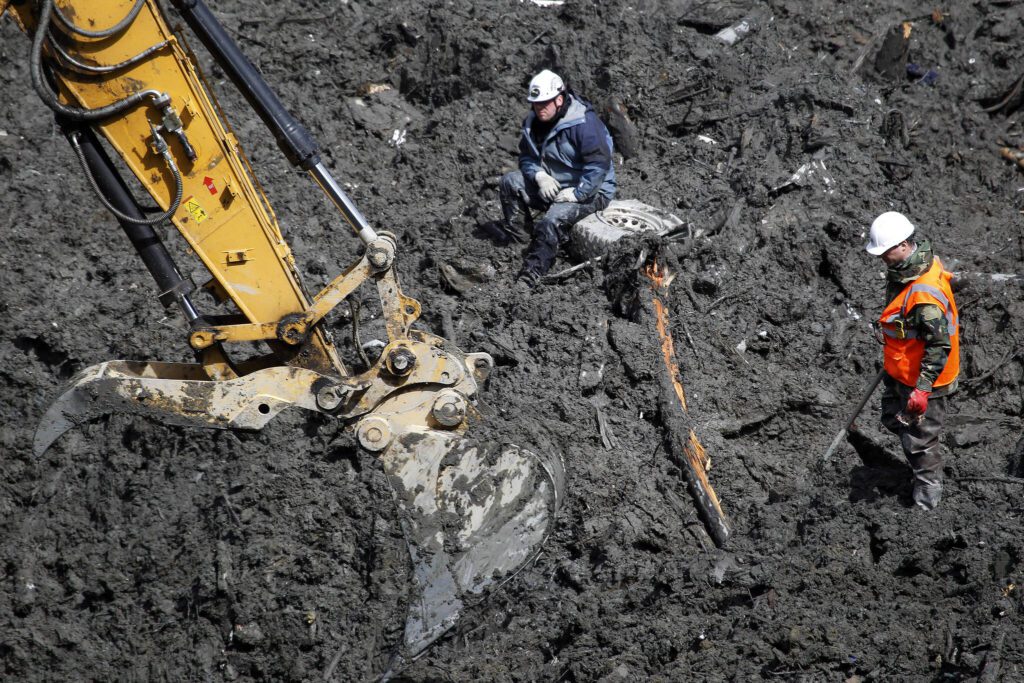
(927, 491)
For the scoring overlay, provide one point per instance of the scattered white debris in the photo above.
(706, 139)
(763, 334)
(808, 174)
(850, 311)
(3, 133)
(730, 35)
(546, 3)
(374, 346)
(398, 138)
(742, 346)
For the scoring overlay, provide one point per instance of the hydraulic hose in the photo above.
(166, 153)
(105, 33)
(50, 98)
(172, 287)
(106, 69)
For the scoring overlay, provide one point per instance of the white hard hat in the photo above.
(887, 231)
(547, 85)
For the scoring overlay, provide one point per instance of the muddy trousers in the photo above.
(920, 440)
(518, 196)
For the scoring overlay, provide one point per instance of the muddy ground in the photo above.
(134, 551)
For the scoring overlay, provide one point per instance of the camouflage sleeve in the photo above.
(933, 330)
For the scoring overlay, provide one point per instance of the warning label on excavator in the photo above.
(198, 213)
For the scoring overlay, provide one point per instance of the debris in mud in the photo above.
(891, 59)
(461, 278)
(623, 130)
(813, 173)
(1014, 155)
(730, 35)
(382, 108)
(1008, 102)
(680, 436)
(923, 75)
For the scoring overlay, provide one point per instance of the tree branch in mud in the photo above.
(1007, 357)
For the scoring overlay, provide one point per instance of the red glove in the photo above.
(917, 404)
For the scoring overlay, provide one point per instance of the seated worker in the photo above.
(565, 170)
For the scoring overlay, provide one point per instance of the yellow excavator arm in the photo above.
(113, 71)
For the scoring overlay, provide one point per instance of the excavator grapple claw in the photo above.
(178, 394)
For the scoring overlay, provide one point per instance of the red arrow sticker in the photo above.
(208, 181)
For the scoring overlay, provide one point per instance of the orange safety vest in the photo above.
(903, 349)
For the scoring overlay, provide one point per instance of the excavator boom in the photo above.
(114, 72)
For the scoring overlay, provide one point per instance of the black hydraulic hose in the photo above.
(150, 247)
(178, 189)
(50, 98)
(105, 69)
(105, 33)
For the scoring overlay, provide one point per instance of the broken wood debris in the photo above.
(990, 670)
(1008, 102)
(680, 434)
(1014, 155)
(608, 439)
(554, 277)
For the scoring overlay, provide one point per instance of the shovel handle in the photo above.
(853, 416)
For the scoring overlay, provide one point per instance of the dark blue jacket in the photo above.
(577, 152)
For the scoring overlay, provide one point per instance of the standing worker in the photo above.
(565, 170)
(920, 330)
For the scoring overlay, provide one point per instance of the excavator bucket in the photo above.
(473, 514)
(485, 516)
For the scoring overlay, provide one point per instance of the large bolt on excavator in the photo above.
(473, 514)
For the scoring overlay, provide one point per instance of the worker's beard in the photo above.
(540, 129)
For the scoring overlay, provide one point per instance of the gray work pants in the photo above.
(920, 439)
(516, 194)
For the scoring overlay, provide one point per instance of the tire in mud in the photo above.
(595, 234)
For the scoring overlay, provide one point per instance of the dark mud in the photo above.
(134, 551)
